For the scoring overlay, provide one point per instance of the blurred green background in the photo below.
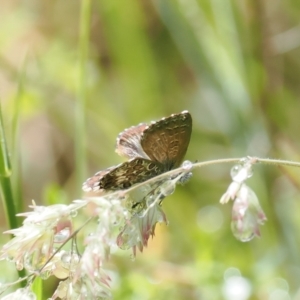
(70, 82)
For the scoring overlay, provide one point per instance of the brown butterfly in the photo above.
(151, 149)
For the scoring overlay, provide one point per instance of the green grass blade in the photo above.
(6, 190)
(37, 288)
(5, 171)
(5, 166)
(16, 165)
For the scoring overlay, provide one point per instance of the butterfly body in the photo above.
(151, 149)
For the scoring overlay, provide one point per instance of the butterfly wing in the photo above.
(129, 142)
(151, 149)
(166, 141)
(92, 183)
(124, 175)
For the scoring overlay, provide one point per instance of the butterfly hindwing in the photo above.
(92, 183)
(129, 173)
(129, 142)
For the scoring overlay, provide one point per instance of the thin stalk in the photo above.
(278, 162)
(253, 160)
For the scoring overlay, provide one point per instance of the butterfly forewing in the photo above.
(167, 140)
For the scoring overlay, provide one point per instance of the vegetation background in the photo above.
(73, 74)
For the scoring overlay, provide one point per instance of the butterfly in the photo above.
(150, 149)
